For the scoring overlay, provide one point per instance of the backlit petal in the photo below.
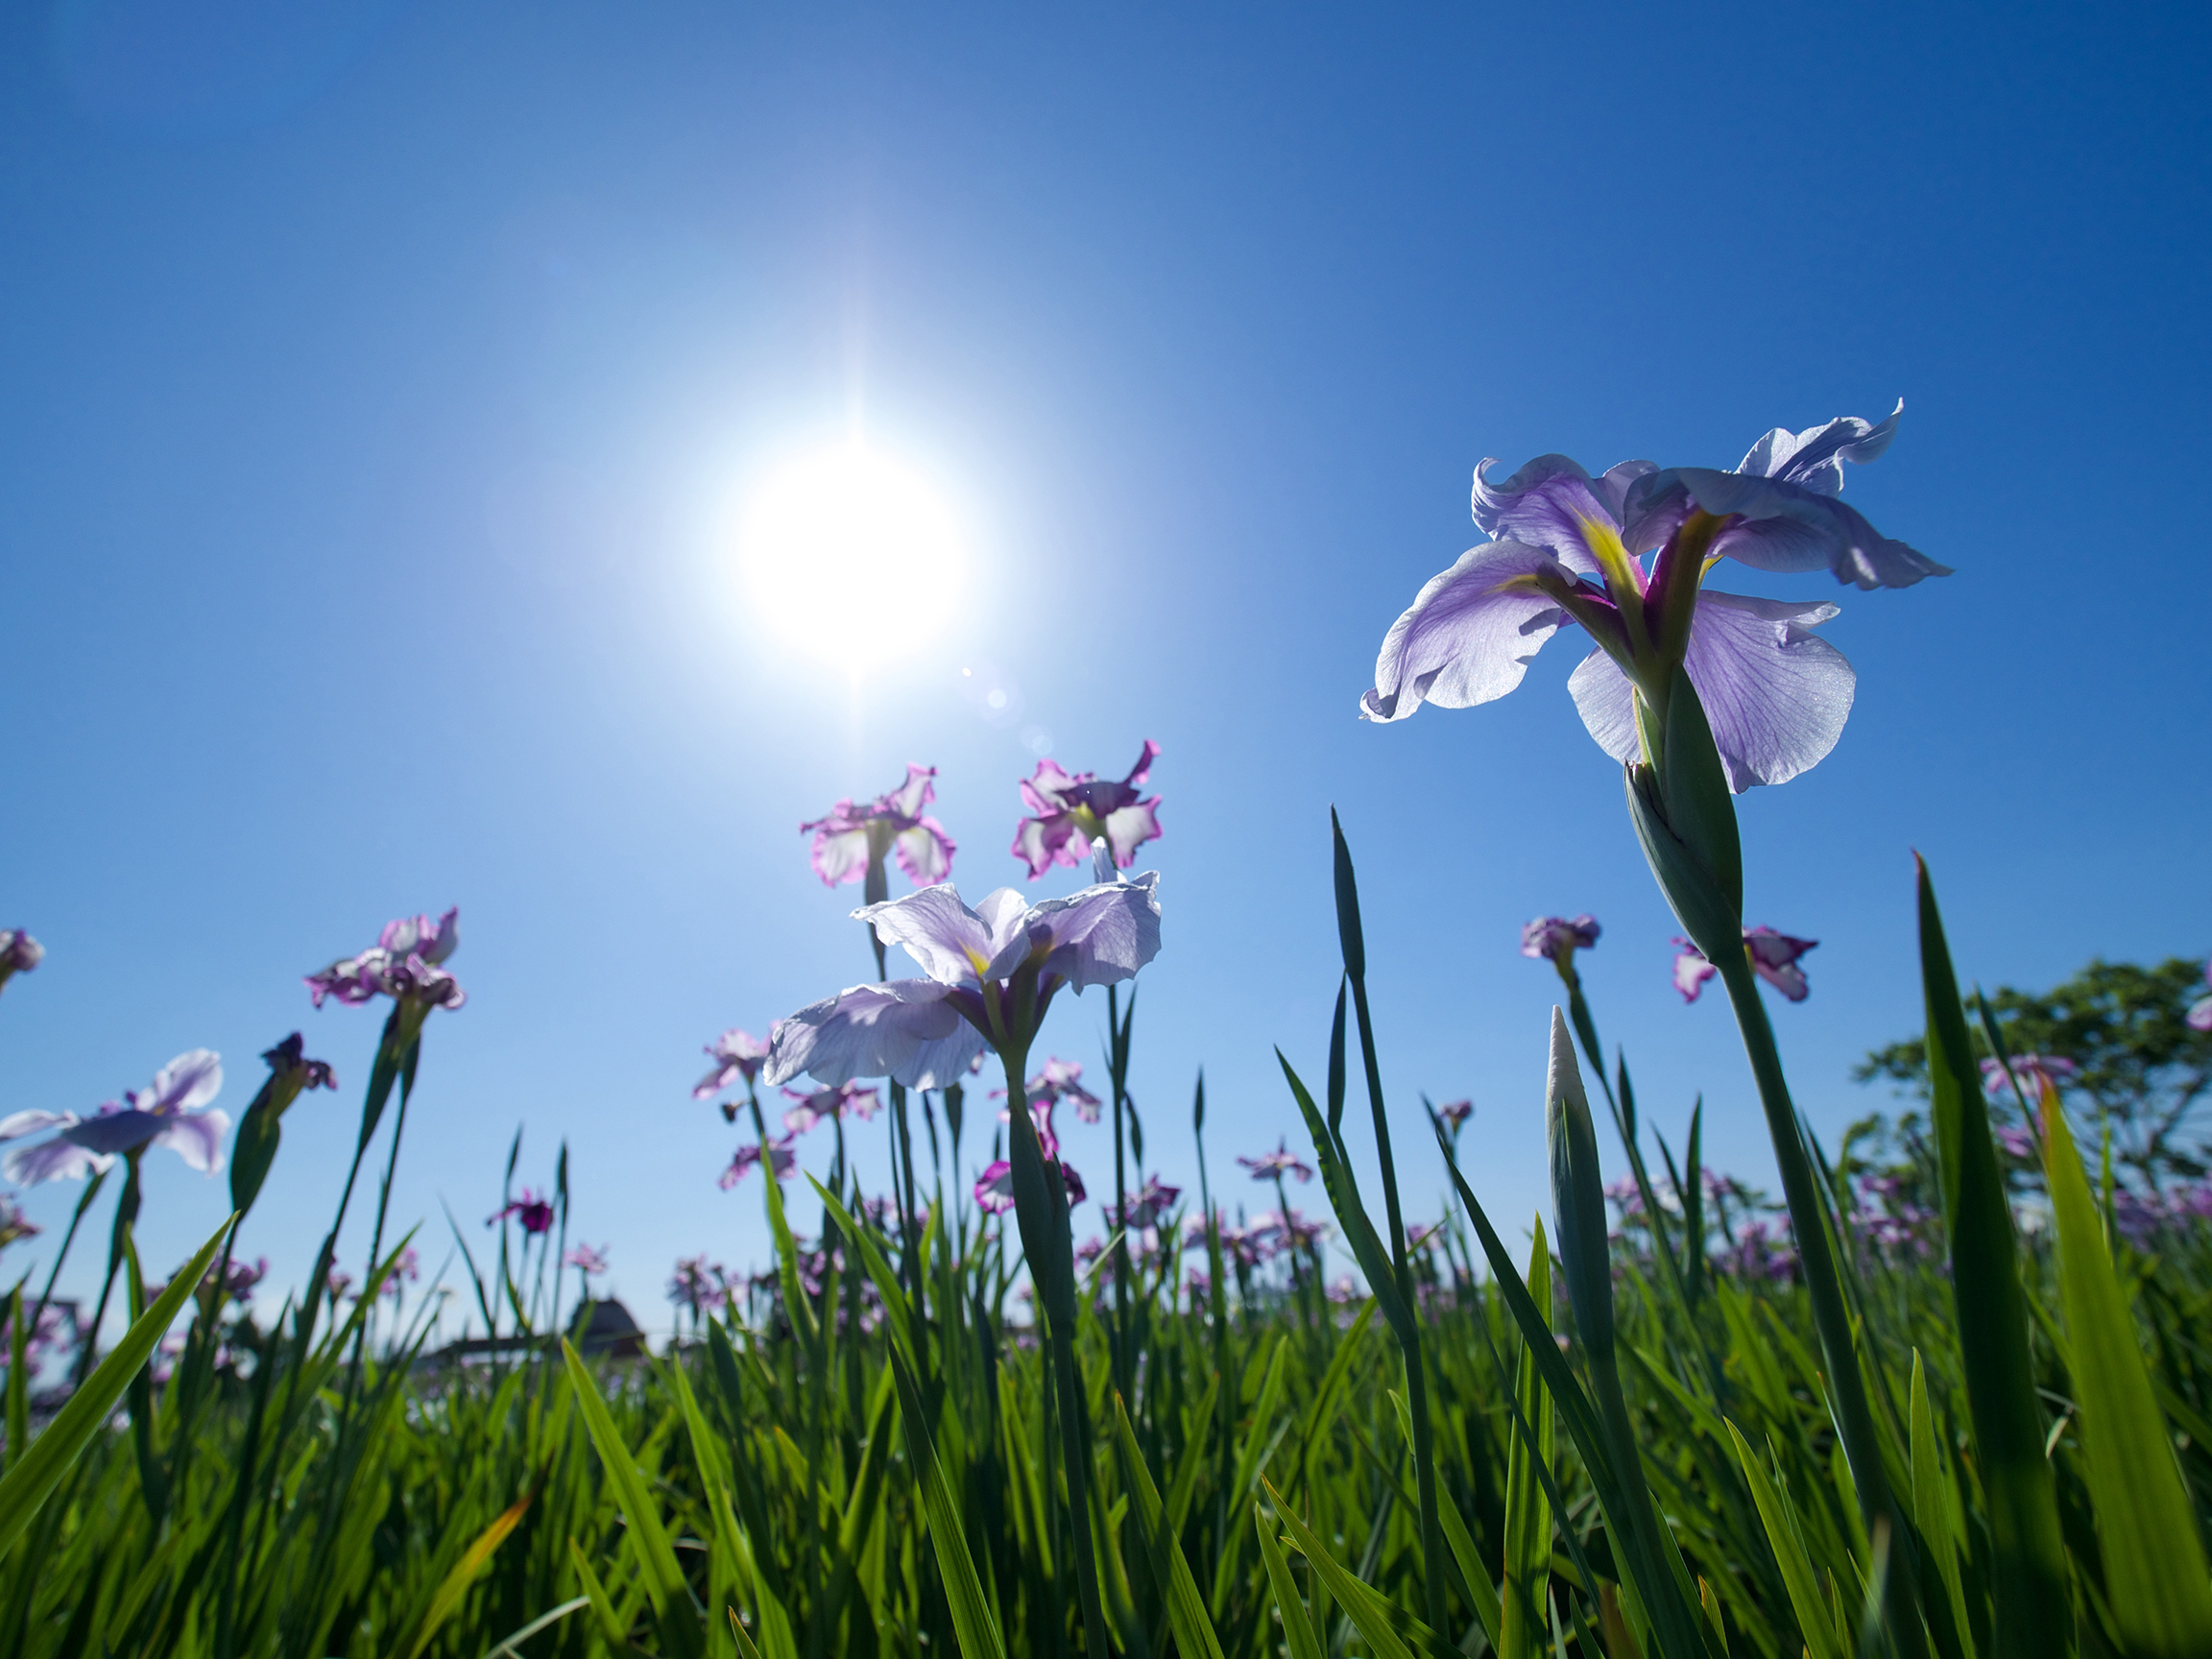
(905, 1030)
(1465, 640)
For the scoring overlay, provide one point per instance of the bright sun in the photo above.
(850, 554)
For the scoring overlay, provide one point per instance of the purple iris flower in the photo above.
(1774, 958)
(1569, 548)
(924, 1032)
(13, 1223)
(19, 953)
(401, 965)
(586, 1260)
(536, 1214)
(1455, 1112)
(778, 1156)
(408, 1268)
(1060, 1080)
(1556, 939)
(2015, 1142)
(172, 1110)
(698, 1284)
(1274, 1166)
(1151, 1203)
(2201, 1013)
(838, 1101)
(1072, 810)
(994, 1187)
(2035, 1072)
(854, 839)
(737, 1055)
(295, 1074)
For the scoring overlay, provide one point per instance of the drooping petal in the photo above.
(1789, 528)
(17, 1124)
(1690, 970)
(1042, 842)
(1466, 639)
(940, 932)
(115, 1131)
(186, 1083)
(1129, 829)
(906, 1030)
(1774, 957)
(995, 1188)
(57, 1160)
(1143, 767)
(1776, 694)
(197, 1137)
(1099, 937)
(840, 851)
(1552, 503)
(925, 853)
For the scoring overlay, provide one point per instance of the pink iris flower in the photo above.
(853, 839)
(1074, 810)
(737, 1055)
(838, 1101)
(1059, 1081)
(994, 1187)
(1272, 1166)
(534, 1213)
(586, 1260)
(2033, 1070)
(173, 1111)
(1774, 958)
(777, 1154)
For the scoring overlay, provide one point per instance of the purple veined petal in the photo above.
(1464, 641)
(1099, 937)
(939, 931)
(1690, 970)
(1775, 694)
(995, 1188)
(17, 1124)
(1130, 828)
(1552, 503)
(185, 1084)
(1814, 459)
(1788, 528)
(197, 1138)
(840, 851)
(57, 1160)
(911, 796)
(925, 853)
(907, 1030)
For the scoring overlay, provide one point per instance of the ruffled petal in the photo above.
(1055, 838)
(1814, 459)
(1048, 791)
(55, 1160)
(1143, 767)
(1130, 829)
(1465, 640)
(906, 1030)
(840, 850)
(197, 1138)
(1775, 694)
(911, 796)
(938, 931)
(925, 853)
(1099, 937)
(1554, 503)
(1786, 527)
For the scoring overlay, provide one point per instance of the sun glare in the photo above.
(852, 554)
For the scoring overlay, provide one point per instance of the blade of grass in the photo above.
(455, 1585)
(1289, 1606)
(971, 1622)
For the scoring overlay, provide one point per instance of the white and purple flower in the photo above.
(994, 1187)
(1774, 958)
(1060, 1080)
(2036, 1071)
(737, 1055)
(173, 1111)
(1274, 1166)
(1568, 548)
(839, 1100)
(853, 840)
(587, 1260)
(19, 953)
(1557, 938)
(777, 1154)
(1073, 809)
(401, 965)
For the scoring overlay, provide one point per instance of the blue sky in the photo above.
(376, 398)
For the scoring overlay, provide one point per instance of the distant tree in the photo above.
(2139, 1065)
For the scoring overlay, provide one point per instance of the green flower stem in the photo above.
(1854, 1413)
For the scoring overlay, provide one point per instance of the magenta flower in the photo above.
(172, 1110)
(536, 1214)
(737, 1055)
(2035, 1072)
(294, 1073)
(1074, 810)
(1274, 1166)
(839, 1100)
(853, 840)
(19, 953)
(401, 965)
(1058, 1081)
(408, 1267)
(13, 1223)
(994, 1187)
(1568, 548)
(781, 1158)
(586, 1260)
(698, 1284)
(1774, 958)
(2201, 1013)
(924, 1032)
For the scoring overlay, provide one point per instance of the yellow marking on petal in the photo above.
(1524, 583)
(1621, 573)
(980, 964)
